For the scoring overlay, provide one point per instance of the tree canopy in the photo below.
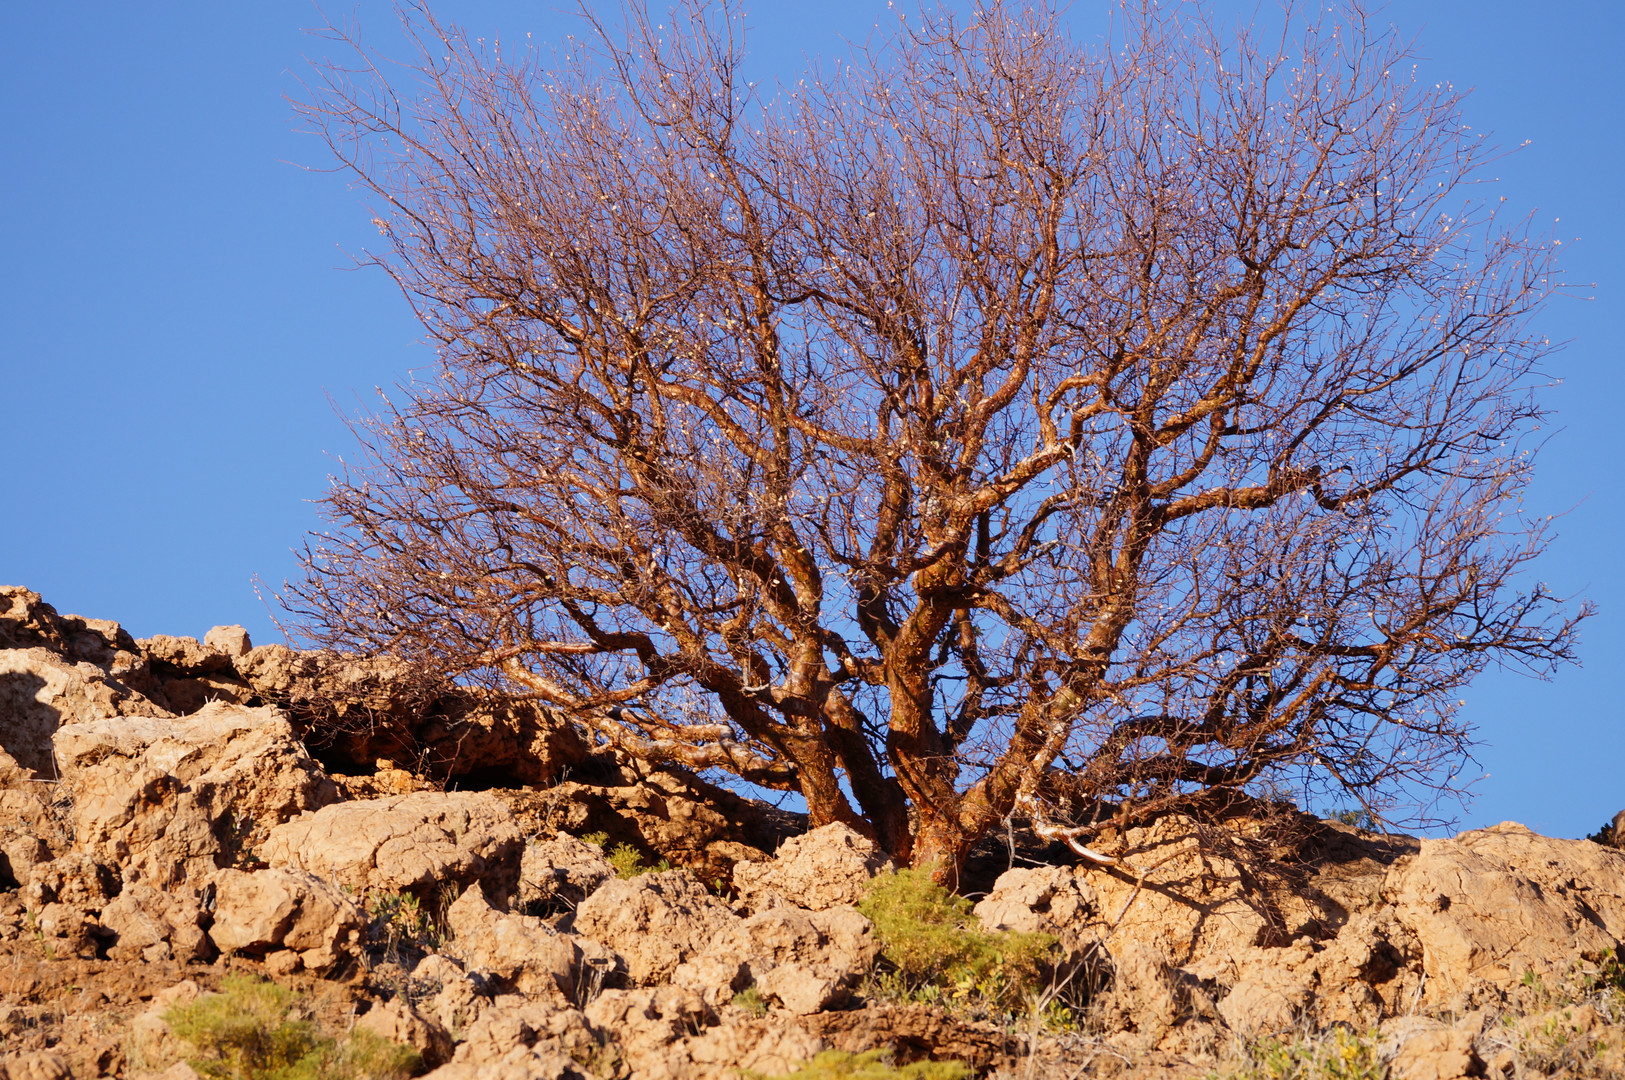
(982, 415)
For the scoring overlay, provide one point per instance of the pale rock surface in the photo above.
(231, 640)
(801, 988)
(150, 1044)
(38, 1065)
(77, 879)
(646, 1022)
(759, 1046)
(824, 868)
(1054, 900)
(561, 871)
(1488, 906)
(399, 1022)
(417, 843)
(655, 921)
(156, 925)
(171, 800)
(40, 691)
(528, 1042)
(520, 952)
(276, 909)
(1584, 874)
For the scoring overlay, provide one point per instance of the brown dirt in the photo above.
(82, 1008)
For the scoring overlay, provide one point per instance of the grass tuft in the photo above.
(254, 1030)
(936, 950)
(750, 999)
(628, 862)
(869, 1065)
(1340, 1054)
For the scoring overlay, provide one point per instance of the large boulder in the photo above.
(156, 925)
(313, 922)
(62, 669)
(558, 872)
(520, 953)
(40, 691)
(655, 921)
(418, 843)
(170, 800)
(826, 867)
(1053, 900)
(1491, 905)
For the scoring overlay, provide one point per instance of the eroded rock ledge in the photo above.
(167, 817)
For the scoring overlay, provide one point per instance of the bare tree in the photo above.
(984, 409)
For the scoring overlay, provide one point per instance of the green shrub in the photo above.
(626, 859)
(252, 1030)
(869, 1065)
(628, 862)
(399, 918)
(750, 999)
(1610, 974)
(936, 949)
(1357, 817)
(1339, 1055)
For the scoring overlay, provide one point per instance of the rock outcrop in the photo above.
(824, 868)
(170, 800)
(164, 821)
(420, 843)
(291, 919)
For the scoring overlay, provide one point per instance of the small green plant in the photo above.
(1607, 836)
(1055, 1018)
(869, 1065)
(255, 1030)
(750, 999)
(399, 918)
(238, 841)
(628, 862)
(1357, 817)
(596, 839)
(937, 951)
(1609, 976)
(1340, 1054)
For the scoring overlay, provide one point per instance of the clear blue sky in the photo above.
(176, 316)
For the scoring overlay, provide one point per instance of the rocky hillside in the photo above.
(216, 854)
